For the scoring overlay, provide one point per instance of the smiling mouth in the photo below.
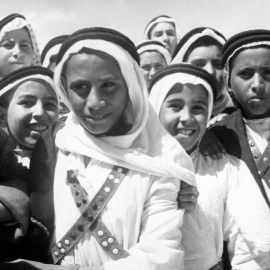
(96, 117)
(185, 132)
(37, 127)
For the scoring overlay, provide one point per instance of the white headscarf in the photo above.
(162, 87)
(147, 147)
(154, 47)
(19, 23)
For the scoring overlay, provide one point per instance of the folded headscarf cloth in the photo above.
(152, 45)
(15, 22)
(159, 19)
(146, 147)
(184, 74)
(51, 48)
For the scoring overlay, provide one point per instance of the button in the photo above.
(73, 235)
(104, 243)
(120, 170)
(100, 233)
(110, 240)
(72, 175)
(259, 172)
(116, 181)
(56, 253)
(59, 245)
(111, 176)
(90, 218)
(107, 189)
(85, 214)
(63, 250)
(255, 156)
(80, 227)
(252, 144)
(265, 159)
(77, 193)
(115, 251)
(84, 201)
(67, 242)
(101, 198)
(95, 207)
(78, 204)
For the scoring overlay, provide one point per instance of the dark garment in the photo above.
(13, 195)
(231, 131)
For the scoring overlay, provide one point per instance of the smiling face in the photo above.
(250, 82)
(165, 33)
(209, 59)
(97, 91)
(15, 51)
(184, 114)
(151, 62)
(32, 109)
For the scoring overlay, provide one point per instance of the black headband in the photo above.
(188, 69)
(10, 18)
(106, 34)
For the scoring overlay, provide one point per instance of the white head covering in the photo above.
(207, 32)
(146, 46)
(146, 147)
(157, 20)
(19, 23)
(161, 88)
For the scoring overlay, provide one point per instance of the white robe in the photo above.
(229, 205)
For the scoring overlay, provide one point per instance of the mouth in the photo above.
(185, 132)
(96, 118)
(37, 127)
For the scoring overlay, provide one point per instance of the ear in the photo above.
(3, 117)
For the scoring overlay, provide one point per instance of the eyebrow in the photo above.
(33, 97)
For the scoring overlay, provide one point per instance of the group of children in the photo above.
(106, 184)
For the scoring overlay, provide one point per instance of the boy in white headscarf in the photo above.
(111, 140)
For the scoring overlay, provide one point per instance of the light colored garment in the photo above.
(143, 213)
(229, 205)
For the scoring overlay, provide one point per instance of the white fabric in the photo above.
(41, 77)
(162, 87)
(147, 147)
(158, 20)
(229, 201)
(19, 23)
(179, 58)
(153, 47)
(143, 213)
(54, 50)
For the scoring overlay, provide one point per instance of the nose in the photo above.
(152, 72)
(38, 110)
(257, 83)
(209, 68)
(94, 100)
(165, 36)
(16, 52)
(185, 115)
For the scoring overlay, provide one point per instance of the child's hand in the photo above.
(211, 146)
(187, 196)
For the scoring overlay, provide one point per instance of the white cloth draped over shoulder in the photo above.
(143, 213)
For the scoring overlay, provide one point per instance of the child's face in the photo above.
(250, 82)
(165, 33)
(184, 114)
(15, 51)
(33, 108)
(209, 59)
(151, 62)
(97, 91)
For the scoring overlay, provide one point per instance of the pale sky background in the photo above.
(51, 18)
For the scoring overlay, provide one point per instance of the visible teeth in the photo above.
(38, 128)
(185, 132)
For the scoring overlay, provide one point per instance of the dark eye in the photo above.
(8, 44)
(157, 34)
(246, 74)
(81, 89)
(25, 45)
(198, 63)
(171, 33)
(146, 67)
(51, 105)
(176, 107)
(27, 103)
(217, 64)
(198, 109)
